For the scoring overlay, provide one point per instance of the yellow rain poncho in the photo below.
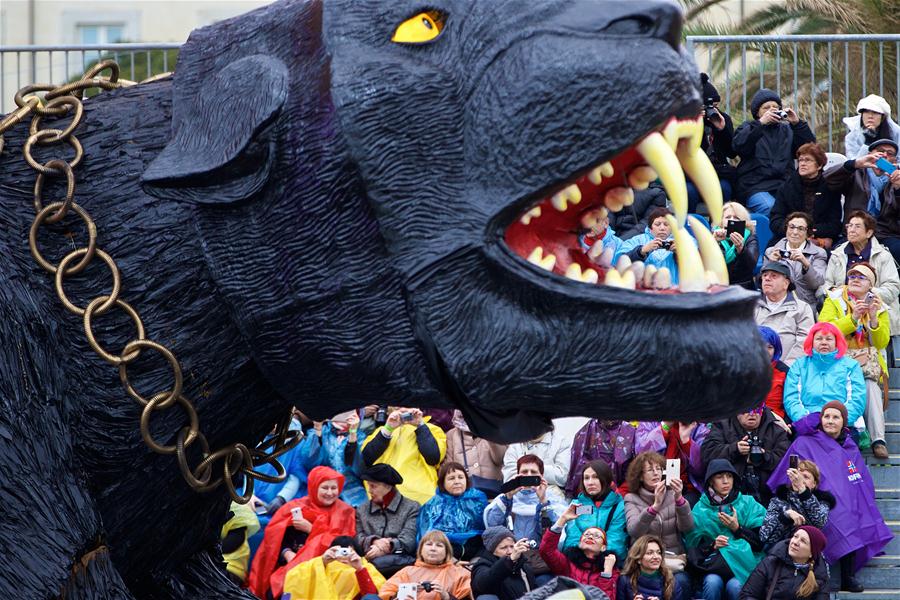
(335, 581)
(237, 561)
(402, 453)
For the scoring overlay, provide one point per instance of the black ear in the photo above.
(223, 144)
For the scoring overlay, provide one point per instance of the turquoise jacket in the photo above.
(815, 380)
(657, 258)
(615, 534)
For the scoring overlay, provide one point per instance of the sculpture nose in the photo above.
(639, 18)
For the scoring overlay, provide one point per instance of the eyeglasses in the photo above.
(855, 276)
(797, 227)
(653, 469)
(593, 536)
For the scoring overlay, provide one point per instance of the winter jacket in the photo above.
(397, 522)
(336, 451)
(608, 515)
(460, 517)
(415, 452)
(740, 270)
(582, 571)
(815, 380)
(814, 505)
(855, 144)
(853, 184)
(855, 523)
(632, 220)
(767, 154)
(553, 448)
(887, 225)
(717, 144)
(658, 258)
(501, 577)
(722, 443)
(523, 515)
(791, 321)
(647, 585)
(806, 284)
(888, 288)
(741, 553)
(558, 586)
(609, 441)
(455, 579)
(775, 397)
(483, 457)
(778, 565)
(826, 209)
(651, 436)
(835, 310)
(669, 523)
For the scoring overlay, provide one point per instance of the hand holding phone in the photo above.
(883, 164)
(794, 461)
(673, 469)
(735, 227)
(584, 509)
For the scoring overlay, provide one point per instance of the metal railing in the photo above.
(23, 65)
(822, 75)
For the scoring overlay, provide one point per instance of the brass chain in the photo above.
(236, 459)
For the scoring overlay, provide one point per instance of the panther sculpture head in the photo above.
(380, 186)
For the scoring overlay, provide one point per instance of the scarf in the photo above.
(876, 187)
(862, 325)
(728, 247)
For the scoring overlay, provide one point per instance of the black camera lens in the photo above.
(709, 111)
(426, 585)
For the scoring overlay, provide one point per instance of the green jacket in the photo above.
(738, 554)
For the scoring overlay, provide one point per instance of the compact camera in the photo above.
(426, 585)
(782, 114)
(666, 244)
(406, 417)
(532, 543)
(342, 552)
(784, 253)
(381, 415)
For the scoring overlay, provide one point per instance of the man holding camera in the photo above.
(754, 442)
(767, 145)
(718, 131)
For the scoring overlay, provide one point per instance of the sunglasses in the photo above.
(855, 276)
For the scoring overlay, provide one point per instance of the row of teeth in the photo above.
(668, 161)
(699, 267)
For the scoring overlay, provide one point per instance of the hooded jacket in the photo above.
(817, 379)
(502, 577)
(328, 522)
(335, 450)
(335, 581)
(613, 505)
(888, 285)
(778, 565)
(836, 310)
(826, 211)
(460, 517)
(724, 436)
(658, 258)
(767, 154)
(855, 523)
(855, 144)
(814, 505)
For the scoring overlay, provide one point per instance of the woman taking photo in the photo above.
(603, 508)
(646, 575)
(796, 503)
(587, 560)
(741, 249)
(456, 509)
(434, 566)
(805, 260)
(793, 569)
(859, 314)
(502, 571)
(657, 509)
(855, 530)
(824, 374)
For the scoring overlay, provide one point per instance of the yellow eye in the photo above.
(420, 29)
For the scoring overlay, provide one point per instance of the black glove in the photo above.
(274, 505)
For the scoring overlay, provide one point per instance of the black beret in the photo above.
(382, 473)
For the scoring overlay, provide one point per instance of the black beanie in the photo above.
(710, 93)
(760, 98)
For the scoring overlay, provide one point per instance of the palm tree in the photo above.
(823, 80)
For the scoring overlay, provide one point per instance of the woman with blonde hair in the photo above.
(741, 249)
(434, 565)
(793, 569)
(646, 574)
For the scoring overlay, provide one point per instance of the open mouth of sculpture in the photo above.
(559, 232)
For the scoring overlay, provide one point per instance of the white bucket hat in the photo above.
(875, 104)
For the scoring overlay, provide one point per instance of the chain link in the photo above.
(236, 459)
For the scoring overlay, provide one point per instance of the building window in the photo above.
(107, 33)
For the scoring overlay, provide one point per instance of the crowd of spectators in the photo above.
(409, 503)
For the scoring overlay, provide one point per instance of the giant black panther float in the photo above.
(334, 204)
